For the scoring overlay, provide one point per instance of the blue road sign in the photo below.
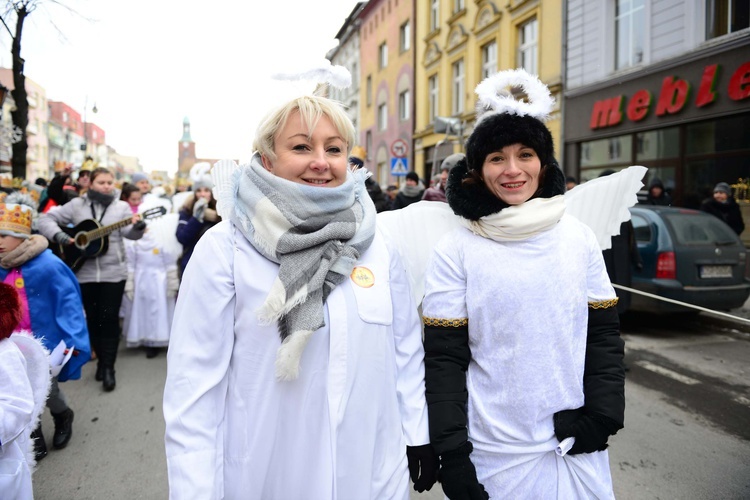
(399, 166)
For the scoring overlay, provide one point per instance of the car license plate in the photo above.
(716, 271)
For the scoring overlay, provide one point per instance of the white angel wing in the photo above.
(164, 231)
(37, 368)
(178, 199)
(414, 231)
(602, 203)
(222, 174)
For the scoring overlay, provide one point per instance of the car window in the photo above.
(641, 228)
(696, 229)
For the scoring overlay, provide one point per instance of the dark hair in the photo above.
(41, 181)
(99, 171)
(127, 190)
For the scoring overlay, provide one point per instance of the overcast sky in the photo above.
(149, 63)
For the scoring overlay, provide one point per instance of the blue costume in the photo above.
(55, 309)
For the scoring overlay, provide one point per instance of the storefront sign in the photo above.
(673, 97)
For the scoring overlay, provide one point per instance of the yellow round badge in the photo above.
(361, 276)
(19, 283)
(156, 251)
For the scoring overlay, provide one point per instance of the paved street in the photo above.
(686, 435)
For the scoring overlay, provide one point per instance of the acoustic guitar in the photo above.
(92, 239)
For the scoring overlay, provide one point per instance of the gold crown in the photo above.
(359, 152)
(60, 165)
(89, 165)
(15, 218)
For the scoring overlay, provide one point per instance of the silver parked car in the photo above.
(689, 256)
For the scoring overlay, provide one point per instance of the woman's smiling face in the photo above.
(512, 174)
(315, 159)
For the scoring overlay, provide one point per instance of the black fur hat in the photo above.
(496, 131)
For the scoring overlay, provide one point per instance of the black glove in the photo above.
(424, 458)
(459, 476)
(591, 431)
(140, 225)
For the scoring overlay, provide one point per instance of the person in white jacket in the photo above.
(295, 365)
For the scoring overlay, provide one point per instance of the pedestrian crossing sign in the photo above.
(399, 166)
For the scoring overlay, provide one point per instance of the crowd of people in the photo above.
(313, 340)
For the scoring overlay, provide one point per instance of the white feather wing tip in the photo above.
(602, 203)
(337, 76)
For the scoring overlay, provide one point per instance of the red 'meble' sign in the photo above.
(673, 96)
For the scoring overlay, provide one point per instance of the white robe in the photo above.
(339, 431)
(147, 319)
(24, 385)
(526, 302)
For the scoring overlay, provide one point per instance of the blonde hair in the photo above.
(311, 108)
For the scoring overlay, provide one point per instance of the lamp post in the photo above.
(446, 125)
(85, 145)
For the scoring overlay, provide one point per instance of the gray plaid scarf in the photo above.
(315, 235)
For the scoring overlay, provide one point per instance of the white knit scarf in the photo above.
(519, 222)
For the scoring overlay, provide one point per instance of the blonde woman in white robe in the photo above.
(295, 366)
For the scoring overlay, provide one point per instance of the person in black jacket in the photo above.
(524, 373)
(657, 195)
(723, 206)
(411, 193)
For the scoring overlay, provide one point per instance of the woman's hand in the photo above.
(138, 224)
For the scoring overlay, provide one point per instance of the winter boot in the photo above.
(63, 429)
(40, 447)
(99, 372)
(109, 379)
(152, 352)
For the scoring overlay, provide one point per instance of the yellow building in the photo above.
(458, 44)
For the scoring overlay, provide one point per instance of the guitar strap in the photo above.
(93, 212)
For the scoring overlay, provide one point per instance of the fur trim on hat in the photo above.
(499, 130)
(472, 200)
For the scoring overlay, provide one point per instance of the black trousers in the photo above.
(102, 304)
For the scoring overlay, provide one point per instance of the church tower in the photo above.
(186, 150)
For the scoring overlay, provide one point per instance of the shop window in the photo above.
(725, 134)
(657, 144)
(629, 33)
(606, 152)
(726, 16)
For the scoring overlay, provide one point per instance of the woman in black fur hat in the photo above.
(523, 359)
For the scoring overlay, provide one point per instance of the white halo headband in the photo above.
(492, 98)
(325, 72)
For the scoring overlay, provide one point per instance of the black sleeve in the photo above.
(447, 357)
(604, 372)
(55, 189)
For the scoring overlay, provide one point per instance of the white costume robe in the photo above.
(526, 302)
(339, 431)
(147, 320)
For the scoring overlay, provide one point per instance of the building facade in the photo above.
(659, 83)
(346, 54)
(37, 155)
(461, 42)
(386, 94)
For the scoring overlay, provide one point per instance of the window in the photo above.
(383, 55)
(527, 46)
(641, 228)
(726, 16)
(404, 37)
(489, 59)
(382, 116)
(368, 143)
(629, 33)
(458, 87)
(458, 6)
(434, 15)
(403, 105)
(369, 90)
(65, 116)
(433, 97)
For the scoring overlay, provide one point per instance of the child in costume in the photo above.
(50, 302)
(24, 379)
